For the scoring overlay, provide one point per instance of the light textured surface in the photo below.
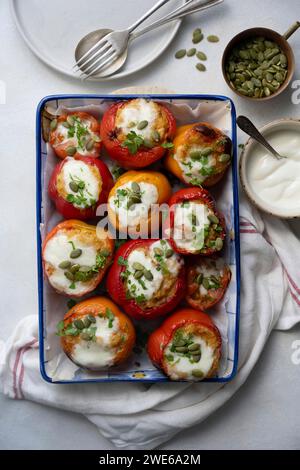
(264, 412)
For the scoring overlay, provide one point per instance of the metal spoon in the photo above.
(247, 126)
(92, 38)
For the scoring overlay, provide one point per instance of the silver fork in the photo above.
(113, 43)
(108, 49)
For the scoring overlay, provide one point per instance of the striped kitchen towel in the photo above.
(139, 416)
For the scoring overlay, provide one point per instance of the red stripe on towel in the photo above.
(245, 224)
(243, 230)
(295, 297)
(297, 289)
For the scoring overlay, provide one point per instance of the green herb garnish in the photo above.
(79, 131)
(109, 314)
(169, 357)
(207, 171)
(140, 298)
(79, 198)
(72, 244)
(117, 171)
(122, 261)
(101, 259)
(60, 327)
(133, 142)
(160, 257)
(167, 145)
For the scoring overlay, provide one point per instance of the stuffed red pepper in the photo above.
(187, 346)
(79, 185)
(137, 132)
(76, 256)
(195, 226)
(147, 278)
(207, 281)
(75, 134)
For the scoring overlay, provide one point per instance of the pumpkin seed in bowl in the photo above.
(256, 68)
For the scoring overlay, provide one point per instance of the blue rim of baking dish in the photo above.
(40, 107)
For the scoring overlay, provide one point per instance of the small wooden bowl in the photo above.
(280, 40)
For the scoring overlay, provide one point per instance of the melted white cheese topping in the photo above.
(174, 263)
(145, 287)
(210, 268)
(73, 141)
(58, 249)
(150, 287)
(188, 235)
(133, 216)
(76, 170)
(97, 354)
(193, 169)
(181, 367)
(136, 111)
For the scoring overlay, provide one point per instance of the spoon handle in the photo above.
(148, 13)
(178, 13)
(291, 30)
(247, 126)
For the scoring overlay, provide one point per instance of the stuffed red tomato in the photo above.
(207, 281)
(195, 226)
(76, 256)
(78, 186)
(75, 134)
(187, 346)
(137, 132)
(147, 278)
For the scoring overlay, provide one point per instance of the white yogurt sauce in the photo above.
(277, 182)
(133, 216)
(182, 365)
(99, 353)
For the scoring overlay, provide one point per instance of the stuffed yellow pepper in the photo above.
(131, 200)
(76, 256)
(200, 155)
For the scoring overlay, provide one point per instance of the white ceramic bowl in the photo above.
(245, 159)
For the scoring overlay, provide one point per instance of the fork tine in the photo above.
(109, 59)
(95, 46)
(100, 63)
(98, 59)
(102, 49)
